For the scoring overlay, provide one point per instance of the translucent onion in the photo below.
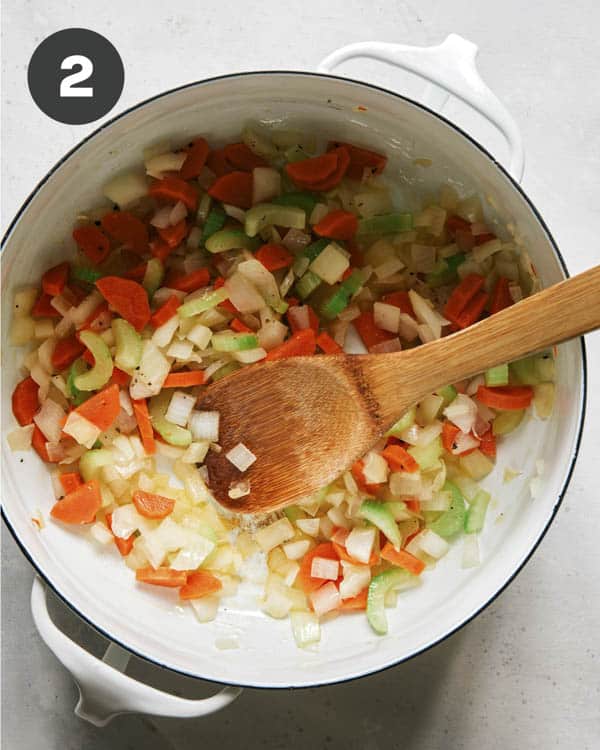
(462, 412)
(275, 534)
(325, 599)
(162, 218)
(305, 627)
(386, 317)
(49, 419)
(20, 438)
(241, 457)
(178, 213)
(356, 578)
(433, 544)
(386, 347)
(360, 542)
(204, 425)
(296, 240)
(236, 213)
(180, 407)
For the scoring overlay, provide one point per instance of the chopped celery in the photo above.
(379, 515)
(269, 214)
(307, 284)
(230, 239)
(225, 370)
(169, 432)
(406, 420)
(448, 393)
(353, 283)
(313, 250)
(214, 221)
(77, 397)
(475, 516)
(293, 513)
(507, 421)
(427, 455)
(153, 276)
(497, 376)
(84, 273)
(304, 200)
(533, 370)
(335, 303)
(386, 224)
(233, 342)
(445, 271)
(201, 304)
(128, 349)
(544, 366)
(543, 399)
(92, 461)
(100, 373)
(330, 264)
(378, 588)
(452, 520)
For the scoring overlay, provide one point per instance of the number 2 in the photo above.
(67, 85)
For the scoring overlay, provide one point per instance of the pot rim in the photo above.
(581, 406)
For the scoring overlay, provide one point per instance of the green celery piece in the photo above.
(304, 200)
(445, 271)
(230, 239)
(452, 520)
(293, 513)
(128, 345)
(427, 455)
(475, 516)
(497, 376)
(507, 421)
(101, 372)
(378, 588)
(77, 397)
(153, 276)
(84, 273)
(398, 510)
(406, 420)
(201, 304)
(268, 214)
(524, 371)
(313, 250)
(353, 283)
(544, 366)
(386, 224)
(214, 221)
(92, 461)
(227, 369)
(233, 342)
(169, 432)
(307, 284)
(335, 303)
(380, 516)
(448, 393)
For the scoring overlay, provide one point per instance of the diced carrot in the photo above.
(43, 309)
(481, 239)
(471, 313)
(505, 398)
(274, 257)
(487, 444)
(330, 182)
(70, 481)
(119, 377)
(199, 583)
(399, 459)
(166, 311)
(127, 229)
(167, 577)
(356, 602)
(25, 402)
(403, 559)
(234, 188)
(175, 189)
(362, 159)
(368, 331)
(66, 352)
(462, 295)
(401, 300)
(237, 325)
(55, 279)
(316, 169)
(150, 505)
(413, 505)
(188, 282)
(136, 273)
(123, 545)
(449, 433)
(357, 472)
(184, 379)
(239, 156)
(337, 225)
(357, 259)
(174, 236)
(306, 581)
(464, 240)
(328, 345)
(456, 223)
(79, 506)
(197, 151)
(300, 344)
(128, 298)
(140, 410)
(92, 241)
(501, 296)
(38, 442)
(159, 249)
(217, 162)
(102, 409)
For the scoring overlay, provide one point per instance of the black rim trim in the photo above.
(582, 407)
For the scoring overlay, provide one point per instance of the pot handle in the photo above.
(104, 689)
(449, 68)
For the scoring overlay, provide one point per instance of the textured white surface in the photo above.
(527, 670)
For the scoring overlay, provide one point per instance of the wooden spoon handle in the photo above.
(558, 313)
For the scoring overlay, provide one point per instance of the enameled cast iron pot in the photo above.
(97, 585)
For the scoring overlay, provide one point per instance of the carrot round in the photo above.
(306, 581)
(309, 171)
(70, 481)
(43, 309)
(92, 241)
(55, 279)
(195, 160)
(234, 188)
(334, 179)
(217, 162)
(301, 344)
(239, 156)
(128, 298)
(362, 159)
(174, 236)
(166, 311)
(25, 401)
(66, 352)
(184, 379)
(462, 295)
(337, 225)
(402, 559)
(102, 409)
(399, 459)
(506, 398)
(274, 257)
(175, 189)
(142, 416)
(150, 505)
(79, 506)
(167, 577)
(188, 282)
(127, 229)
(199, 583)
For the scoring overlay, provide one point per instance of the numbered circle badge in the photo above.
(75, 76)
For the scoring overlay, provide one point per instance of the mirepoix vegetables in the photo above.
(217, 257)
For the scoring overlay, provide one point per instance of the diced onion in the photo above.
(306, 628)
(405, 483)
(180, 407)
(462, 412)
(323, 567)
(470, 551)
(249, 356)
(356, 578)
(178, 213)
(275, 534)
(200, 335)
(386, 347)
(85, 308)
(425, 314)
(386, 316)
(100, 533)
(126, 189)
(81, 429)
(167, 162)
(432, 544)
(193, 554)
(55, 451)
(464, 442)
(266, 184)
(204, 425)
(272, 334)
(125, 402)
(325, 599)
(162, 218)
(296, 240)
(296, 550)
(423, 258)
(236, 213)
(49, 420)
(309, 526)
(241, 457)
(196, 452)
(359, 543)
(205, 608)
(153, 369)
(20, 438)
(375, 468)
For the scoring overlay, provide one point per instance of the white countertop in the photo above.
(526, 672)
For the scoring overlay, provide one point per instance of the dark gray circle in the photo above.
(75, 76)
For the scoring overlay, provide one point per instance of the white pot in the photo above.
(95, 583)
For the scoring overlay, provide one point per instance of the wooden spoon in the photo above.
(307, 419)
